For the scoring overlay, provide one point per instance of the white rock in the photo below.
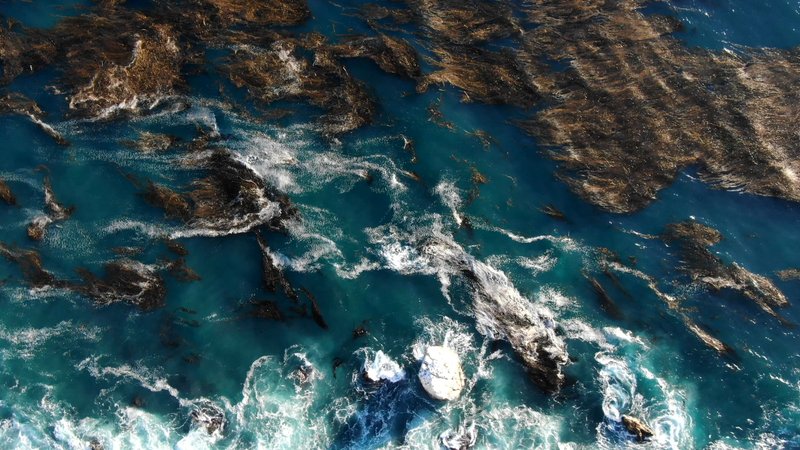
(383, 368)
(441, 373)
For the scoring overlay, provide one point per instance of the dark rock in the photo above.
(607, 304)
(181, 272)
(176, 248)
(15, 103)
(30, 263)
(551, 211)
(316, 313)
(360, 331)
(56, 213)
(175, 205)
(273, 276)
(125, 281)
(138, 402)
(337, 361)
(210, 417)
(637, 428)
(266, 309)
(6, 195)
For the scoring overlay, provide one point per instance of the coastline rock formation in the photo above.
(440, 373)
(502, 313)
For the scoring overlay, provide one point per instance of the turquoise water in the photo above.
(72, 372)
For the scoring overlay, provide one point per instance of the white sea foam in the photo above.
(24, 342)
(378, 366)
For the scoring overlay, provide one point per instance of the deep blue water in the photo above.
(70, 371)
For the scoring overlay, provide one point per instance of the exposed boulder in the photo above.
(441, 374)
(637, 428)
(210, 417)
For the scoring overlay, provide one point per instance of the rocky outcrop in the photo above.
(637, 428)
(501, 312)
(210, 418)
(231, 199)
(464, 438)
(440, 373)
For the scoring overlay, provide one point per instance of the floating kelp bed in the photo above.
(242, 170)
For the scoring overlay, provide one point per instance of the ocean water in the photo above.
(72, 373)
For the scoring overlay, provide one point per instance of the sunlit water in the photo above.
(71, 372)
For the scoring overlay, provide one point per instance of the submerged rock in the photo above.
(211, 418)
(789, 274)
(392, 55)
(272, 275)
(30, 263)
(441, 374)
(462, 439)
(125, 281)
(57, 213)
(6, 195)
(637, 428)
(15, 103)
(316, 312)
